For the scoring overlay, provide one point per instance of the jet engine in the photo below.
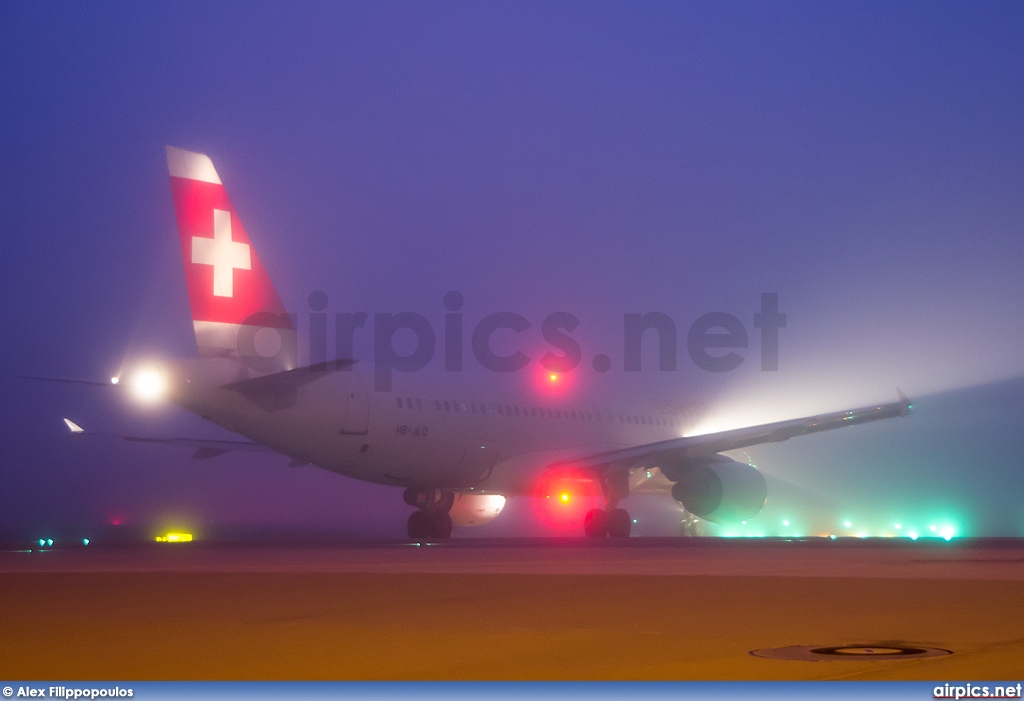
(719, 489)
(475, 509)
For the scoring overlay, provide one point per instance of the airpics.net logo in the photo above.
(407, 342)
(977, 691)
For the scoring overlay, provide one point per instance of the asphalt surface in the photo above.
(512, 609)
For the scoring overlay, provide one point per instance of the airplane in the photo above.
(457, 453)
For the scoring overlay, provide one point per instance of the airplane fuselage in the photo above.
(419, 434)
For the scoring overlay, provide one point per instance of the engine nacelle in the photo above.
(475, 509)
(719, 489)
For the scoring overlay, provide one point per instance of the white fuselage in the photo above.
(421, 434)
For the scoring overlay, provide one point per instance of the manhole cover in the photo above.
(882, 651)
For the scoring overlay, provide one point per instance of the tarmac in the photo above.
(521, 609)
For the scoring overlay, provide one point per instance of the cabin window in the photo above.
(399, 402)
(447, 406)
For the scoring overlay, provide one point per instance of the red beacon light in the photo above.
(552, 382)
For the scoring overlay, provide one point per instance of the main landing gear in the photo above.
(610, 521)
(431, 520)
(599, 523)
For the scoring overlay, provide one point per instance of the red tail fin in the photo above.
(235, 309)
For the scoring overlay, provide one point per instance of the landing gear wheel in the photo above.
(619, 523)
(440, 525)
(690, 526)
(595, 523)
(419, 525)
(446, 501)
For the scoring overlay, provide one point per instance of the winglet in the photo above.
(73, 427)
(905, 403)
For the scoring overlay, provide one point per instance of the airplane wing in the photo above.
(203, 448)
(651, 454)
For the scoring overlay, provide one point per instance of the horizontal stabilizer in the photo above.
(66, 380)
(205, 453)
(204, 448)
(278, 390)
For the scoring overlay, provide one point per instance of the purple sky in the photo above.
(863, 160)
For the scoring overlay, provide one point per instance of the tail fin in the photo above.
(236, 311)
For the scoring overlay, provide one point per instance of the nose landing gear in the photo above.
(431, 520)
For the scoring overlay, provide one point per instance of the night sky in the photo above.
(863, 160)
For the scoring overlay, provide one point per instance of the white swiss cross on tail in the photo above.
(222, 253)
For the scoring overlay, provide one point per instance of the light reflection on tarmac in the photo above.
(511, 609)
